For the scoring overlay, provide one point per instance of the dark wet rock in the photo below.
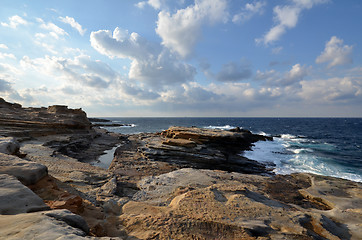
(98, 120)
(180, 147)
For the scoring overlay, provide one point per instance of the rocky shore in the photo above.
(182, 183)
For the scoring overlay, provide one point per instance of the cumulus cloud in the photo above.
(53, 29)
(335, 53)
(7, 55)
(3, 46)
(150, 63)
(72, 70)
(156, 4)
(249, 10)
(332, 90)
(274, 78)
(295, 75)
(82, 72)
(14, 22)
(71, 21)
(181, 31)
(286, 17)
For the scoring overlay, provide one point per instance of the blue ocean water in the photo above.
(326, 146)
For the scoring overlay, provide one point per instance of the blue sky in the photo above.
(184, 58)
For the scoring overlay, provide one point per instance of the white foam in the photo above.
(225, 127)
(292, 154)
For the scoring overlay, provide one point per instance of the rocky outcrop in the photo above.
(180, 147)
(28, 122)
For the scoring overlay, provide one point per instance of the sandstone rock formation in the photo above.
(153, 154)
(27, 122)
(209, 204)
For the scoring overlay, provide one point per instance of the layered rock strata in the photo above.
(27, 122)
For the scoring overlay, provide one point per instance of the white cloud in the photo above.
(53, 29)
(47, 47)
(181, 31)
(121, 44)
(80, 69)
(7, 55)
(295, 75)
(83, 75)
(249, 11)
(332, 90)
(150, 64)
(156, 4)
(286, 17)
(71, 21)
(268, 76)
(335, 53)
(14, 22)
(274, 78)
(3, 46)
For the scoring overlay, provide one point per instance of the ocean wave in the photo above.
(289, 154)
(225, 127)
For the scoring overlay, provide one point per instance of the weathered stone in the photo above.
(56, 224)
(68, 201)
(183, 147)
(9, 145)
(32, 122)
(15, 198)
(206, 204)
(26, 171)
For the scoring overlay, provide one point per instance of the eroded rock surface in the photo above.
(178, 147)
(208, 204)
(28, 122)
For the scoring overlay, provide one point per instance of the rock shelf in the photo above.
(182, 183)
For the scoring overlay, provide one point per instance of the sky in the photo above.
(184, 58)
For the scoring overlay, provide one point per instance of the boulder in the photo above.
(26, 171)
(9, 145)
(55, 224)
(15, 198)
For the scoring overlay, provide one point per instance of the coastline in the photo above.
(182, 183)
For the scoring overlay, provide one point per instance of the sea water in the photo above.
(326, 146)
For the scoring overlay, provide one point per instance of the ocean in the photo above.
(325, 146)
